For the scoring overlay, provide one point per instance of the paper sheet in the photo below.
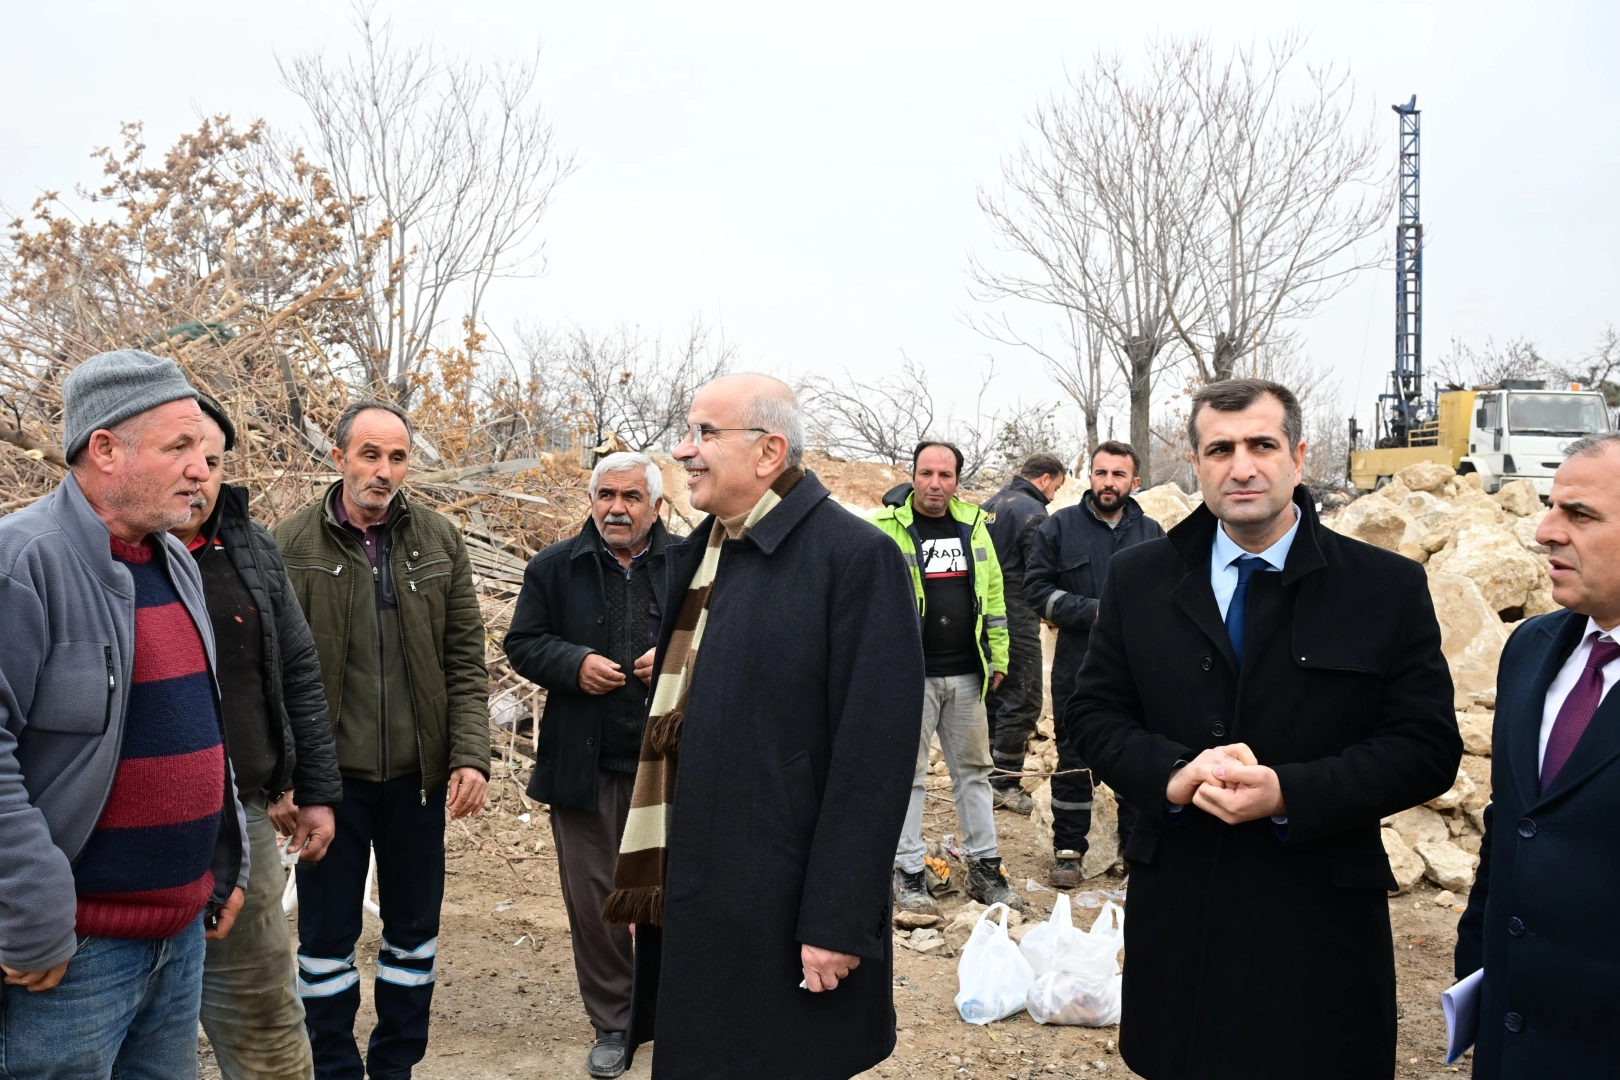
(1460, 1002)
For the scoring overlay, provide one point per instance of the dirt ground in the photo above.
(507, 1005)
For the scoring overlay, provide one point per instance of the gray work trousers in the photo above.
(952, 707)
(250, 1011)
(587, 849)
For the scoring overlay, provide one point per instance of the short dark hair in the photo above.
(925, 444)
(1235, 395)
(1119, 449)
(345, 424)
(1042, 465)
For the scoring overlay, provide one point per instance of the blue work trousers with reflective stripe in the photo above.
(408, 837)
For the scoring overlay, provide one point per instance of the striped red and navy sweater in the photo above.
(145, 872)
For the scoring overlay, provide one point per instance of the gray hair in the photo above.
(626, 462)
(778, 416)
(345, 424)
(1235, 395)
(1593, 445)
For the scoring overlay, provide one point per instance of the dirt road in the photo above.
(507, 1005)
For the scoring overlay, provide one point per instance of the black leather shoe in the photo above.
(610, 1054)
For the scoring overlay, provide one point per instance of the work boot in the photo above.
(987, 883)
(1066, 869)
(1015, 799)
(912, 904)
(610, 1053)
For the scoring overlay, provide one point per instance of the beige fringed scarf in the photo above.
(638, 879)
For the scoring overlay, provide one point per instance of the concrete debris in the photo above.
(925, 941)
(1448, 865)
(1405, 863)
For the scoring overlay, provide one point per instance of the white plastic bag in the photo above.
(1042, 944)
(1083, 985)
(993, 978)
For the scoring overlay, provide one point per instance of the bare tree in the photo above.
(1466, 366)
(1076, 362)
(1294, 187)
(881, 420)
(450, 166)
(1093, 211)
(1600, 368)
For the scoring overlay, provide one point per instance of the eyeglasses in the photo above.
(696, 433)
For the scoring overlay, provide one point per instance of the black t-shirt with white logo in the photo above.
(947, 633)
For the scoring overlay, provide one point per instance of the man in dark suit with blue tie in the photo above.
(1264, 690)
(1541, 919)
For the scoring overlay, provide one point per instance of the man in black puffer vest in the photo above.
(584, 628)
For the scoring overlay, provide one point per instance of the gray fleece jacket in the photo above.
(67, 656)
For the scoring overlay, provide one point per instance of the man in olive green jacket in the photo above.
(388, 592)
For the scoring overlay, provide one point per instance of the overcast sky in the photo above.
(805, 177)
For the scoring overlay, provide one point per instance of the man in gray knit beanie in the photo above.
(112, 387)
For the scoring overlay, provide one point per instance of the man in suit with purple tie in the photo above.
(1541, 917)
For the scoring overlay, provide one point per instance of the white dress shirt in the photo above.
(1565, 682)
(1223, 557)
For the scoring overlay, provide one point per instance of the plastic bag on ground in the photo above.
(1041, 945)
(993, 978)
(1083, 985)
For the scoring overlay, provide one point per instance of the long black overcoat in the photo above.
(1541, 917)
(795, 768)
(1258, 950)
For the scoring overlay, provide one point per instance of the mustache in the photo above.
(618, 519)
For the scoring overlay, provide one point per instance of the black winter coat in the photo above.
(1015, 512)
(561, 617)
(1254, 951)
(307, 761)
(796, 755)
(1068, 563)
(1540, 919)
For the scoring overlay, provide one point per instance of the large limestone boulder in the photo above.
(1442, 529)
(1471, 633)
(1524, 531)
(1461, 791)
(1395, 491)
(1475, 729)
(1102, 841)
(1426, 476)
(1406, 864)
(1519, 498)
(1167, 504)
(1040, 818)
(1496, 561)
(1379, 522)
(1478, 769)
(1541, 601)
(1418, 825)
(1448, 865)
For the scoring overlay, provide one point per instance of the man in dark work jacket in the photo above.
(1264, 691)
(584, 628)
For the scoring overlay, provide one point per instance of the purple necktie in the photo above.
(1576, 711)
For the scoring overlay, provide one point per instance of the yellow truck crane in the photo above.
(1516, 429)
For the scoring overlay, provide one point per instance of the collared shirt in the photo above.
(1564, 682)
(1223, 557)
(614, 555)
(373, 538)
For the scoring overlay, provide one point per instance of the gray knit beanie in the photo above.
(111, 387)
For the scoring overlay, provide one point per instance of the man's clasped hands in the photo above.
(1229, 783)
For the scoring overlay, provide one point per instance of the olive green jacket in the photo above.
(439, 621)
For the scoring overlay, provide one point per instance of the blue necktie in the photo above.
(1246, 567)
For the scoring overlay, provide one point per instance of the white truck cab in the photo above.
(1521, 429)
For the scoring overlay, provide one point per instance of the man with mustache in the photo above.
(1068, 563)
(387, 588)
(278, 737)
(584, 628)
(122, 844)
(1550, 987)
(1265, 691)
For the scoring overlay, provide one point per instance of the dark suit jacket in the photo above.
(1247, 956)
(1541, 918)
